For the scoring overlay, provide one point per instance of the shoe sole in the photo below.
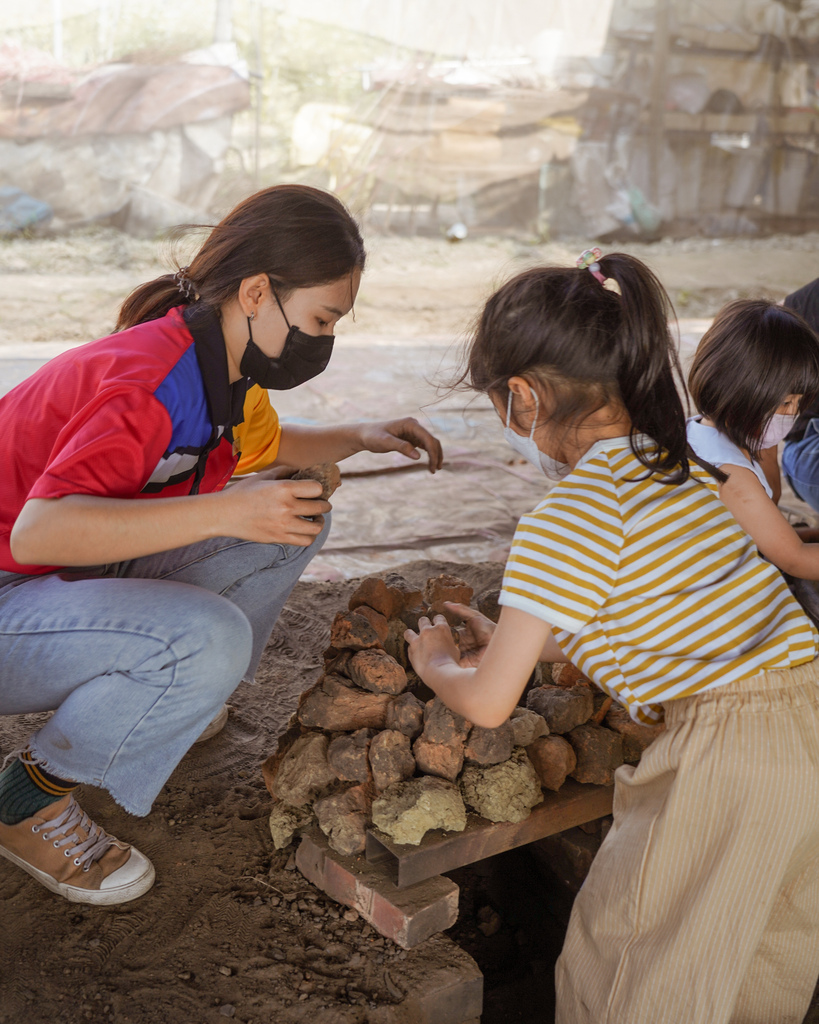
(215, 726)
(97, 897)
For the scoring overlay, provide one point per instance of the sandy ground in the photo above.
(230, 928)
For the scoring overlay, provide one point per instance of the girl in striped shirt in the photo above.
(703, 903)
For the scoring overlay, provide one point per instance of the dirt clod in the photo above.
(563, 709)
(408, 810)
(328, 475)
(502, 792)
(391, 759)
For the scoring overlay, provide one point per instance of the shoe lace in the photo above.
(65, 825)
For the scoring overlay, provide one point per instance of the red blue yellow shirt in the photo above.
(147, 412)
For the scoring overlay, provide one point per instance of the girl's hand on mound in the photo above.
(432, 645)
(273, 511)
(475, 633)
(405, 436)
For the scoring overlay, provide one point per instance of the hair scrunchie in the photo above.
(184, 284)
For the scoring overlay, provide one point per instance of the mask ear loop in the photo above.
(278, 303)
(535, 417)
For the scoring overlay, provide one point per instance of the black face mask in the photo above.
(303, 357)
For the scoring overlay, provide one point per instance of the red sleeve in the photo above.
(109, 449)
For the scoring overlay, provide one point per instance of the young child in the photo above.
(755, 369)
(702, 904)
(799, 455)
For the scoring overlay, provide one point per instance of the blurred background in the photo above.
(537, 118)
(471, 138)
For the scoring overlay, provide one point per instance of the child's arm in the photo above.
(478, 631)
(769, 462)
(486, 695)
(745, 498)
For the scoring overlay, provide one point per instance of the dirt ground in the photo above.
(230, 929)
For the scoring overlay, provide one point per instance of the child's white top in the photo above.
(717, 449)
(653, 590)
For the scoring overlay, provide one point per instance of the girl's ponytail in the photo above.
(647, 367)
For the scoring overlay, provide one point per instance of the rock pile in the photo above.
(370, 743)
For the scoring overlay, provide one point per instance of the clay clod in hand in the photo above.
(328, 475)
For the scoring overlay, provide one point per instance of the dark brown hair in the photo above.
(589, 346)
(750, 359)
(299, 236)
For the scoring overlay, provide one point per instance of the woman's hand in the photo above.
(405, 436)
(475, 634)
(273, 511)
(431, 646)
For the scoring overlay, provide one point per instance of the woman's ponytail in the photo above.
(151, 300)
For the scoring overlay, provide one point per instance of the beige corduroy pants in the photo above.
(702, 906)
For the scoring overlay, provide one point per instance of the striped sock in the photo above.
(26, 787)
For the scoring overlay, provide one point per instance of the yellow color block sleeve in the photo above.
(258, 437)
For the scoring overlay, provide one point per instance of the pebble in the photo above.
(291, 863)
(350, 915)
(277, 954)
(184, 975)
(227, 1010)
(226, 971)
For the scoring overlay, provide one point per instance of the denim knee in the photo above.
(226, 645)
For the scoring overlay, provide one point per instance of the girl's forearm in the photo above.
(473, 693)
(82, 529)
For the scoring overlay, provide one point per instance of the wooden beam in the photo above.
(440, 851)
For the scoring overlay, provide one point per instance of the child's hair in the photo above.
(750, 359)
(299, 236)
(588, 346)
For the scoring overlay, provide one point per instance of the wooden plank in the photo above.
(441, 851)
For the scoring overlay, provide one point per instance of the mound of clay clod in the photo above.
(368, 745)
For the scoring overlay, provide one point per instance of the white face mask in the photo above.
(777, 430)
(526, 446)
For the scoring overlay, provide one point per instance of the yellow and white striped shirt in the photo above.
(653, 590)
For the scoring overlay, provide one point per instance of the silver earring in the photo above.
(252, 316)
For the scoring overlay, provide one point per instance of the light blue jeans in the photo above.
(800, 464)
(136, 658)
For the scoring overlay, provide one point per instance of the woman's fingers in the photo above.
(412, 431)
